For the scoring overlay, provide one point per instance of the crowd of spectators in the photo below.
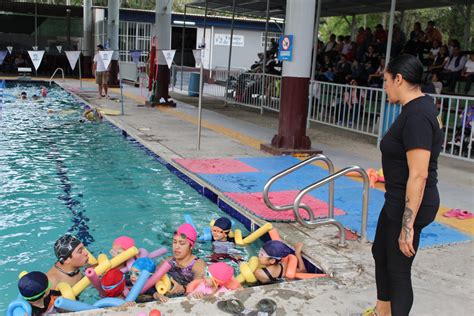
(362, 61)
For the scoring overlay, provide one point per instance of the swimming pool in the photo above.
(58, 175)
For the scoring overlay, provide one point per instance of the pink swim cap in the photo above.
(125, 242)
(221, 271)
(189, 231)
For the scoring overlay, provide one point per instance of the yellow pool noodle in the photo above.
(92, 260)
(164, 285)
(247, 270)
(238, 237)
(66, 291)
(258, 233)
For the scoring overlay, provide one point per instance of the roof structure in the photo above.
(257, 8)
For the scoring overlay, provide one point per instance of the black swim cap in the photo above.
(64, 246)
(33, 285)
(276, 249)
(224, 223)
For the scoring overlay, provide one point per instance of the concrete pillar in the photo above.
(113, 39)
(163, 10)
(87, 51)
(291, 137)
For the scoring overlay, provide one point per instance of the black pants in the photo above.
(392, 267)
(469, 81)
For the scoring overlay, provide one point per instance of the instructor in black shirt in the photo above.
(410, 151)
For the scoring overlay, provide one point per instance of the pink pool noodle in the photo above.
(157, 253)
(159, 273)
(94, 278)
(142, 252)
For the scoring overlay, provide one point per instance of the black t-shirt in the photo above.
(417, 126)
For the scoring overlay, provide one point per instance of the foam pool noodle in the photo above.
(109, 302)
(257, 234)
(137, 287)
(188, 219)
(94, 279)
(164, 285)
(92, 260)
(72, 305)
(104, 265)
(206, 235)
(159, 273)
(19, 307)
(247, 270)
(143, 253)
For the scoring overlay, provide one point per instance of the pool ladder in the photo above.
(54, 73)
(330, 220)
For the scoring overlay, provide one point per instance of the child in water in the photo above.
(34, 287)
(138, 266)
(219, 279)
(113, 285)
(223, 246)
(272, 269)
(121, 244)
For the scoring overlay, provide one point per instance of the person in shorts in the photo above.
(100, 72)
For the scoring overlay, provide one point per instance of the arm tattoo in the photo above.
(407, 219)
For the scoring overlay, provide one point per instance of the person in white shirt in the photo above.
(452, 70)
(100, 72)
(468, 73)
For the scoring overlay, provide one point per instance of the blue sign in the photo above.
(285, 48)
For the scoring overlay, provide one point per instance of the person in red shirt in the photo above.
(432, 34)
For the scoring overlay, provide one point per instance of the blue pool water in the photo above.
(58, 175)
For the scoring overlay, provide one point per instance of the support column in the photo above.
(87, 50)
(112, 35)
(291, 136)
(163, 9)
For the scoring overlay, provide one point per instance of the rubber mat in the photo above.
(215, 166)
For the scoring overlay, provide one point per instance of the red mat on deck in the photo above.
(254, 203)
(215, 166)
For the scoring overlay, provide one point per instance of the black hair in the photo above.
(431, 22)
(100, 46)
(409, 67)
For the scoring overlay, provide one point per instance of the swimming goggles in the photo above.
(182, 235)
(263, 253)
(111, 287)
(135, 273)
(39, 295)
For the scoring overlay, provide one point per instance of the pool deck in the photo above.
(442, 276)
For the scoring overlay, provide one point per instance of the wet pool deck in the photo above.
(442, 277)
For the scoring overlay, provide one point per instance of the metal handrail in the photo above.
(332, 221)
(62, 72)
(285, 172)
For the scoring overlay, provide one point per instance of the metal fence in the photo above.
(358, 109)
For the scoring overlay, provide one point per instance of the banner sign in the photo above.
(106, 56)
(135, 54)
(59, 47)
(10, 49)
(169, 55)
(224, 40)
(72, 57)
(35, 47)
(285, 48)
(36, 57)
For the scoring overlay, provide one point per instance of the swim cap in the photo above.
(125, 242)
(276, 249)
(224, 223)
(223, 274)
(144, 264)
(189, 231)
(113, 283)
(33, 285)
(64, 246)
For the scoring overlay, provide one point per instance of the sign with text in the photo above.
(72, 57)
(285, 48)
(36, 57)
(224, 40)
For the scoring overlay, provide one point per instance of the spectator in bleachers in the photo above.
(439, 61)
(398, 40)
(20, 61)
(451, 43)
(360, 44)
(453, 68)
(343, 70)
(330, 44)
(380, 37)
(359, 73)
(432, 34)
(369, 37)
(371, 55)
(327, 69)
(433, 52)
(468, 73)
(347, 48)
(350, 111)
(376, 79)
(338, 48)
(414, 43)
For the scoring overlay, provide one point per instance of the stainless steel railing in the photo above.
(331, 221)
(54, 73)
(285, 172)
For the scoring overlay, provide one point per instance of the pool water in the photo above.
(59, 175)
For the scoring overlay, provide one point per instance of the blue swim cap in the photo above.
(33, 284)
(276, 249)
(224, 223)
(144, 264)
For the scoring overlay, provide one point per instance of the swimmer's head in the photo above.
(68, 249)
(183, 240)
(23, 95)
(35, 97)
(113, 283)
(121, 244)
(221, 229)
(222, 274)
(44, 92)
(34, 286)
(272, 252)
(139, 265)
